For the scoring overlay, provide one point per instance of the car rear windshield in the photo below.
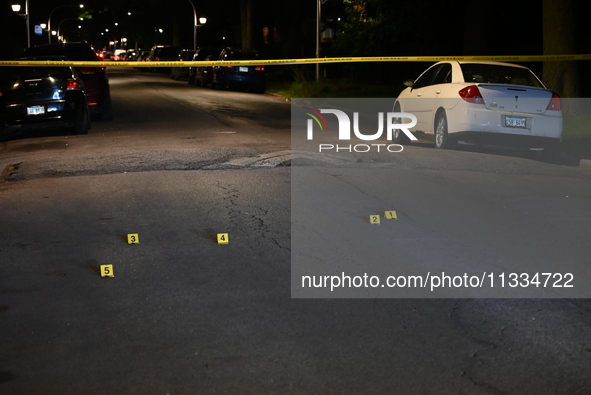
(241, 56)
(169, 52)
(73, 52)
(12, 73)
(499, 74)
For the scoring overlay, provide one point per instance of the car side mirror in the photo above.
(409, 83)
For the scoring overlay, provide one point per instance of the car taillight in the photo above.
(555, 104)
(72, 84)
(228, 67)
(157, 59)
(259, 68)
(471, 94)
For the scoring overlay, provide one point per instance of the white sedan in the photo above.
(480, 103)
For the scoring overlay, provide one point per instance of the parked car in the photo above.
(143, 56)
(42, 97)
(182, 73)
(245, 77)
(118, 54)
(130, 55)
(95, 78)
(479, 103)
(163, 53)
(201, 75)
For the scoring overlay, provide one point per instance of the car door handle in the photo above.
(419, 94)
(438, 92)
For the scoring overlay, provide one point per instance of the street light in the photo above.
(51, 13)
(16, 8)
(201, 20)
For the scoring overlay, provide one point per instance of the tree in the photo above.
(559, 38)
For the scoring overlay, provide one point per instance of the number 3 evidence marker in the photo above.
(133, 238)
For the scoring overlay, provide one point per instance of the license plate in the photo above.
(515, 122)
(243, 69)
(35, 110)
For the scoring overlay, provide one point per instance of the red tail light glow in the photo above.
(72, 84)
(555, 104)
(259, 68)
(471, 94)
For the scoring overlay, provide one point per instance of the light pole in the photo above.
(318, 17)
(16, 8)
(51, 13)
(196, 24)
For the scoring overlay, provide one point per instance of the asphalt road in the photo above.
(185, 315)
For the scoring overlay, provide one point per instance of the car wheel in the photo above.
(82, 125)
(106, 113)
(398, 136)
(442, 139)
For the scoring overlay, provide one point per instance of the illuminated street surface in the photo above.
(183, 314)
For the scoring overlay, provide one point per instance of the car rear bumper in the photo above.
(14, 119)
(536, 126)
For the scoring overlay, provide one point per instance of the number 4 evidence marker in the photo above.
(223, 238)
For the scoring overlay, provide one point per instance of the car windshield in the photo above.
(168, 51)
(498, 74)
(241, 56)
(72, 52)
(12, 73)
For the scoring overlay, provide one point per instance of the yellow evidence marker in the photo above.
(223, 238)
(133, 238)
(107, 271)
(374, 219)
(390, 215)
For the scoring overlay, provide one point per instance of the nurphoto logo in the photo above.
(392, 123)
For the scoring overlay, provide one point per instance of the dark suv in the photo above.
(163, 53)
(248, 77)
(95, 78)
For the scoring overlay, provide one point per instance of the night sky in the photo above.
(423, 27)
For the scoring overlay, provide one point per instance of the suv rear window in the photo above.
(169, 52)
(240, 55)
(34, 72)
(74, 51)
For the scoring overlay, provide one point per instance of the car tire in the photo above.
(398, 136)
(82, 125)
(106, 113)
(442, 139)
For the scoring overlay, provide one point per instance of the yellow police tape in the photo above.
(270, 62)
